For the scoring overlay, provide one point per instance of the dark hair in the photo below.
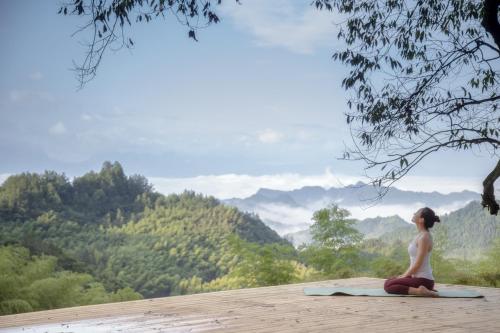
(429, 217)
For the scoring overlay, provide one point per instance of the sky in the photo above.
(256, 102)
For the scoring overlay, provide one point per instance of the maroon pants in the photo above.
(395, 285)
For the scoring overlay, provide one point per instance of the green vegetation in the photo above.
(465, 234)
(117, 231)
(30, 283)
(107, 237)
(334, 249)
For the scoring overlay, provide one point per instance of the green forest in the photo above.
(106, 237)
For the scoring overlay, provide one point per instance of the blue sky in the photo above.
(257, 100)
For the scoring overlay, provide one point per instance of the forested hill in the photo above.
(465, 233)
(110, 198)
(95, 198)
(124, 234)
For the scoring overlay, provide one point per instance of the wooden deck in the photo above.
(274, 309)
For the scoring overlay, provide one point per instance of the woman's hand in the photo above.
(403, 276)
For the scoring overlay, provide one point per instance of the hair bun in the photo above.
(437, 219)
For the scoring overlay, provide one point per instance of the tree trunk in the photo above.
(490, 19)
(489, 190)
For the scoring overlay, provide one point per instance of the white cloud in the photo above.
(35, 76)
(233, 185)
(293, 218)
(304, 135)
(282, 23)
(298, 218)
(118, 111)
(28, 96)
(270, 136)
(404, 211)
(241, 186)
(3, 177)
(58, 129)
(16, 95)
(246, 139)
(440, 184)
(86, 117)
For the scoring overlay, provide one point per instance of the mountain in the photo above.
(291, 211)
(117, 229)
(350, 195)
(298, 238)
(378, 226)
(266, 195)
(465, 233)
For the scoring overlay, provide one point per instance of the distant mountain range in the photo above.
(291, 211)
(349, 196)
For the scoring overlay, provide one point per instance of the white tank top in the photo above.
(425, 270)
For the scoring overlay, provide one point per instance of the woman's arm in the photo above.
(424, 243)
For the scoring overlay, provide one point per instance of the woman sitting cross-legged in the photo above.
(418, 278)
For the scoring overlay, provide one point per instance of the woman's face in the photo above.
(417, 217)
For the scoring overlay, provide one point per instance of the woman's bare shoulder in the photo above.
(426, 240)
(427, 234)
(425, 237)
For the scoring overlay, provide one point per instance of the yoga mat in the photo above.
(349, 291)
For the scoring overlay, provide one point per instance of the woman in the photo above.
(418, 278)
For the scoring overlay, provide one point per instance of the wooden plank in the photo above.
(286, 309)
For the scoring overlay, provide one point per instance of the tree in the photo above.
(30, 194)
(107, 21)
(333, 250)
(488, 268)
(30, 283)
(261, 264)
(333, 230)
(424, 78)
